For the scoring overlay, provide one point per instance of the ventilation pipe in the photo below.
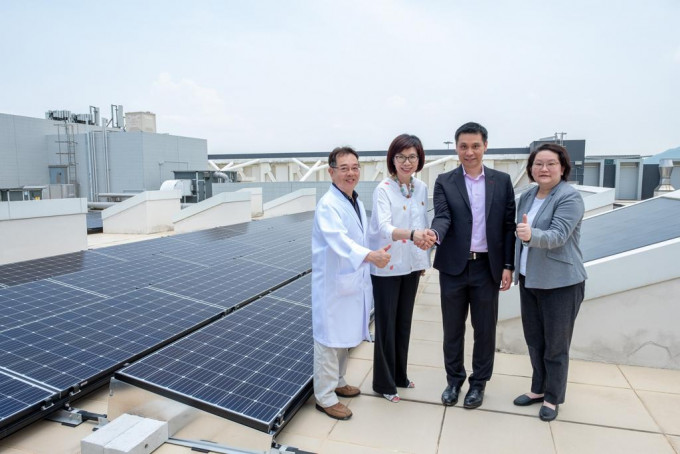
(665, 170)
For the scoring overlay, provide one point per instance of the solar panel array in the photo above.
(253, 366)
(71, 320)
(639, 225)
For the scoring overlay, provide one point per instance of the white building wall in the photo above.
(43, 228)
(23, 153)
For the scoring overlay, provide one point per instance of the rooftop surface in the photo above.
(609, 408)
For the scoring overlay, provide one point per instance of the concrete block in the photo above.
(96, 441)
(142, 438)
(127, 434)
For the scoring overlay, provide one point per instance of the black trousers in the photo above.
(475, 289)
(394, 298)
(548, 317)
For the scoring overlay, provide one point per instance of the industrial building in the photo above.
(77, 155)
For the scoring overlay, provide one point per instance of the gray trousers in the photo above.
(548, 317)
(330, 367)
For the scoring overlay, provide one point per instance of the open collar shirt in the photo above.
(476, 191)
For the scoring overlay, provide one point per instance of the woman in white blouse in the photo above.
(399, 218)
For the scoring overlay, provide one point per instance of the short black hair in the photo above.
(401, 143)
(472, 128)
(560, 151)
(340, 151)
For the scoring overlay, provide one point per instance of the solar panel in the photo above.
(278, 224)
(229, 284)
(116, 279)
(139, 249)
(18, 397)
(209, 235)
(646, 223)
(33, 270)
(254, 366)
(299, 291)
(68, 349)
(212, 253)
(289, 255)
(25, 303)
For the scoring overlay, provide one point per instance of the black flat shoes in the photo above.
(524, 400)
(547, 413)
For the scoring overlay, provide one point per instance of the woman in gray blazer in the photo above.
(551, 274)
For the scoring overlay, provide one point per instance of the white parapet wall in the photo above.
(226, 208)
(255, 200)
(627, 316)
(298, 201)
(34, 229)
(146, 212)
(596, 200)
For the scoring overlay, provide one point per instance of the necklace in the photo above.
(405, 191)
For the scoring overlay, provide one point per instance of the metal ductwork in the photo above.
(665, 170)
(223, 177)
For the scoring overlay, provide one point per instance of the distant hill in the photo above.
(673, 153)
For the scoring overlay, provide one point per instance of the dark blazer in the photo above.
(453, 221)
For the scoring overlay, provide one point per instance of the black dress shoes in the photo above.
(450, 395)
(547, 413)
(524, 400)
(473, 398)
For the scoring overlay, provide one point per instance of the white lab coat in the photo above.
(392, 210)
(342, 294)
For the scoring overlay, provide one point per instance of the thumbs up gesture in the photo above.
(524, 229)
(380, 257)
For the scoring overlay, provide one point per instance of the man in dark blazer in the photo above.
(475, 226)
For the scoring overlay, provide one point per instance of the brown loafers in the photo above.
(337, 411)
(347, 391)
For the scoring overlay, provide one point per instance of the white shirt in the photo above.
(535, 206)
(391, 210)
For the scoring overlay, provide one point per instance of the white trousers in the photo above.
(330, 366)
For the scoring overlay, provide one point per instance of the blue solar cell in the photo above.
(17, 397)
(112, 280)
(138, 250)
(249, 366)
(39, 299)
(214, 253)
(230, 284)
(299, 291)
(33, 270)
(293, 255)
(71, 347)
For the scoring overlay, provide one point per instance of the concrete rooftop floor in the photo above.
(609, 408)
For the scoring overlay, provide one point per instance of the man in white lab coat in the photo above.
(341, 282)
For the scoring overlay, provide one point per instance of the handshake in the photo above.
(424, 239)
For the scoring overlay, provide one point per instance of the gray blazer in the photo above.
(554, 257)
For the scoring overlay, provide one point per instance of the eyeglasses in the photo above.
(402, 159)
(552, 165)
(346, 169)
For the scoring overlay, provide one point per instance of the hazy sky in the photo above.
(286, 76)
